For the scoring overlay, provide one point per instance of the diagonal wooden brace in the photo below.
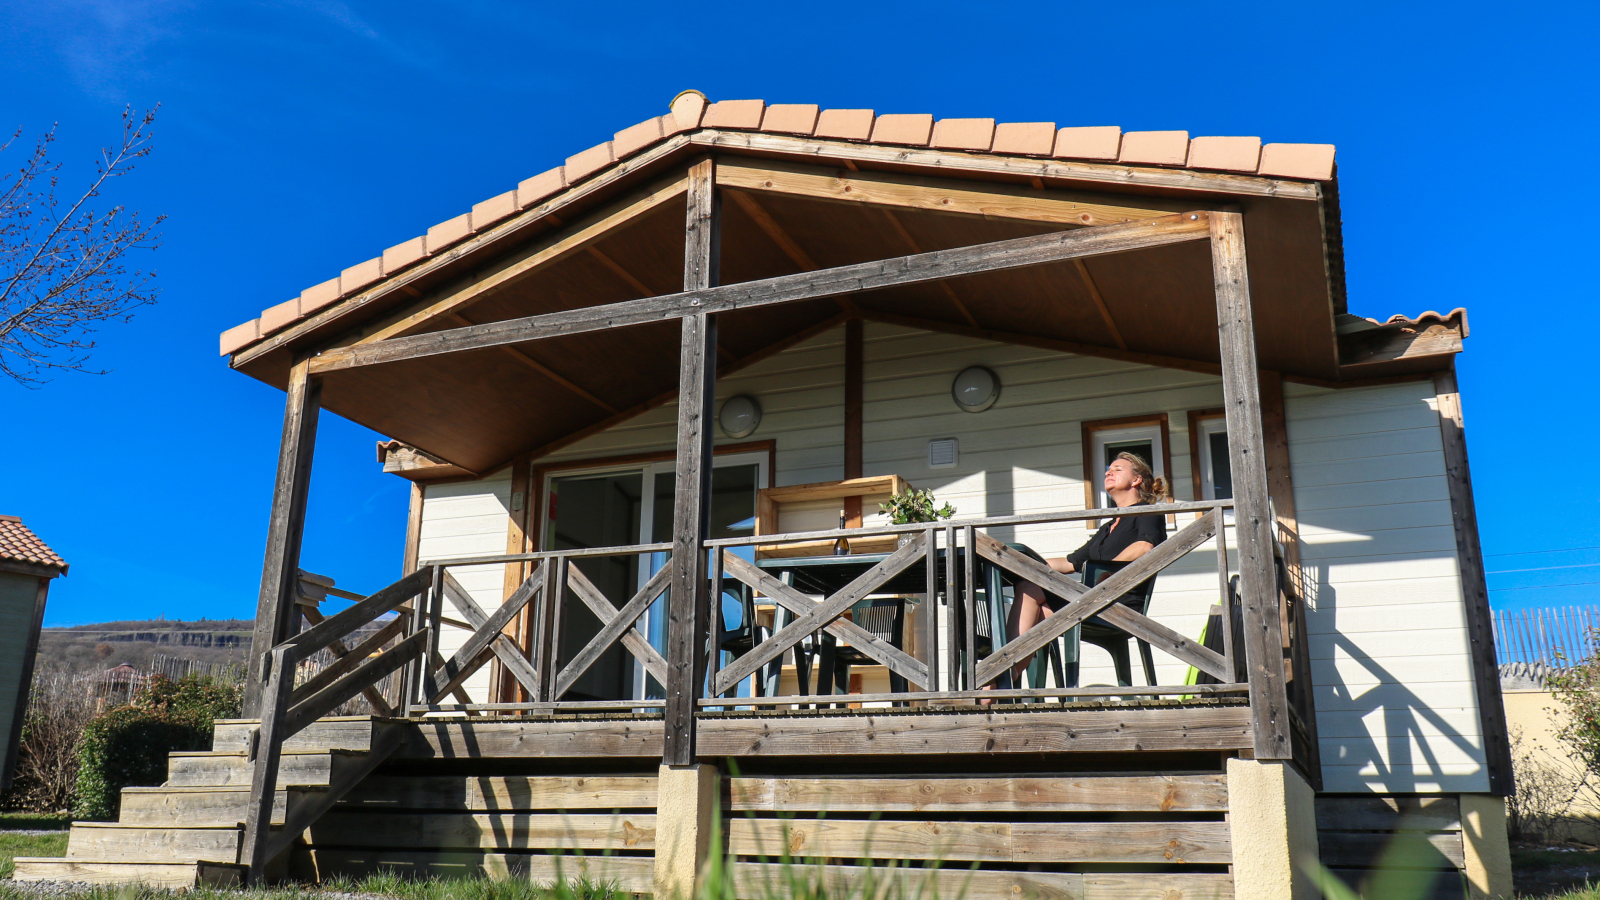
(487, 639)
(817, 616)
(1092, 601)
(897, 660)
(617, 624)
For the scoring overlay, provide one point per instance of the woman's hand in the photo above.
(1134, 551)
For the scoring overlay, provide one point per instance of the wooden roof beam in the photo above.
(917, 269)
(787, 244)
(545, 252)
(949, 289)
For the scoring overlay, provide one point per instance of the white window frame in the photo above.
(1204, 429)
(1097, 452)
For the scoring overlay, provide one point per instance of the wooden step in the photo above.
(140, 843)
(212, 769)
(176, 875)
(203, 805)
(334, 733)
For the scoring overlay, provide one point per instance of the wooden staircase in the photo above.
(187, 832)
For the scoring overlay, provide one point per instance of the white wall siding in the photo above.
(466, 519)
(1389, 655)
(1396, 709)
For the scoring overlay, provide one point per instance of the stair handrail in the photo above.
(286, 710)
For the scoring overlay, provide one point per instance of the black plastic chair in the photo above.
(744, 638)
(885, 619)
(1109, 638)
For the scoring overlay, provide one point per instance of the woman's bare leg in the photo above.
(1026, 611)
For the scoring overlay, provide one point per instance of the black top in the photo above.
(1108, 543)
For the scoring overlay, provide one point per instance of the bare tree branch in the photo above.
(62, 271)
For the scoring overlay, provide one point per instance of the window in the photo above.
(1104, 439)
(1208, 448)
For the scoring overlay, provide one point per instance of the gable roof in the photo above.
(22, 551)
(690, 111)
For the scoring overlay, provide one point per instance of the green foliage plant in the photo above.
(914, 507)
(128, 746)
(1577, 692)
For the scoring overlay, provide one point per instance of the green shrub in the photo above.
(128, 746)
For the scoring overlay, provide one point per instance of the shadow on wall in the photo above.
(1386, 731)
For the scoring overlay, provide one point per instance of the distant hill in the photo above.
(85, 648)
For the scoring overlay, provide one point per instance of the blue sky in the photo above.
(298, 138)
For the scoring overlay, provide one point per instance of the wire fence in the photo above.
(1552, 638)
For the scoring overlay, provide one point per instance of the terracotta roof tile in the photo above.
(1092, 142)
(1025, 138)
(687, 108)
(690, 110)
(637, 137)
(353, 279)
(1313, 162)
(742, 114)
(1227, 154)
(913, 129)
(545, 184)
(1155, 148)
(448, 232)
(19, 544)
(964, 134)
(317, 296)
(401, 255)
(493, 210)
(1453, 318)
(790, 118)
(588, 162)
(240, 336)
(845, 124)
(276, 317)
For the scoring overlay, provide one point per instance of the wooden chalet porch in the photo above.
(1248, 709)
(629, 287)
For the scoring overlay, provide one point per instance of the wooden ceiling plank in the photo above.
(543, 369)
(743, 362)
(616, 267)
(941, 195)
(917, 269)
(464, 293)
(1028, 340)
(1100, 303)
(1059, 170)
(787, 244)
(916, 247)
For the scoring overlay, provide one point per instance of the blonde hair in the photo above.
(1151, 488)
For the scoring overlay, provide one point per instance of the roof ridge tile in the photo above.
(909, 129)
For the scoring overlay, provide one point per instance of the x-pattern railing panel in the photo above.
(616, 625)
(817, 616)
(488, 638)
(1101, 600)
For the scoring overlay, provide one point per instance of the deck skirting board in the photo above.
(1068, 731)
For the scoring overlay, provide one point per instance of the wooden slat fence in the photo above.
(1556, 638)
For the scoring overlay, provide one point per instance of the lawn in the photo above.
(14, 844)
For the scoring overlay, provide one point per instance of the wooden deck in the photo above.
(1208, 725)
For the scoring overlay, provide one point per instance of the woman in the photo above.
(1129, 482)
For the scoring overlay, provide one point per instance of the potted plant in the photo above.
(914, 507)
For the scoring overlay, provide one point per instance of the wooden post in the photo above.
(1258, 583)
(688, 598)
(1474, 585)
(854, 357)
(275, 605)
(268, 751)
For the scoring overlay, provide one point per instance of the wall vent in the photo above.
(943, 453)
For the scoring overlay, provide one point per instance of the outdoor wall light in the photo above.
(740, 416)
(975, 389)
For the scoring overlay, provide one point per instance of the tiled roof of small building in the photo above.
(18, 543)
(691, 110)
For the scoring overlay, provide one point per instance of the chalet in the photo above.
(27, 566)
(638, 395)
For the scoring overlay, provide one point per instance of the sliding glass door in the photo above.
(600, 508)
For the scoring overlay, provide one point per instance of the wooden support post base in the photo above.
(686, 799)
(1486, 848)
(1273, 823)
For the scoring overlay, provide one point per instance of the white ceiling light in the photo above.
(740, 416)
(975, 389)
